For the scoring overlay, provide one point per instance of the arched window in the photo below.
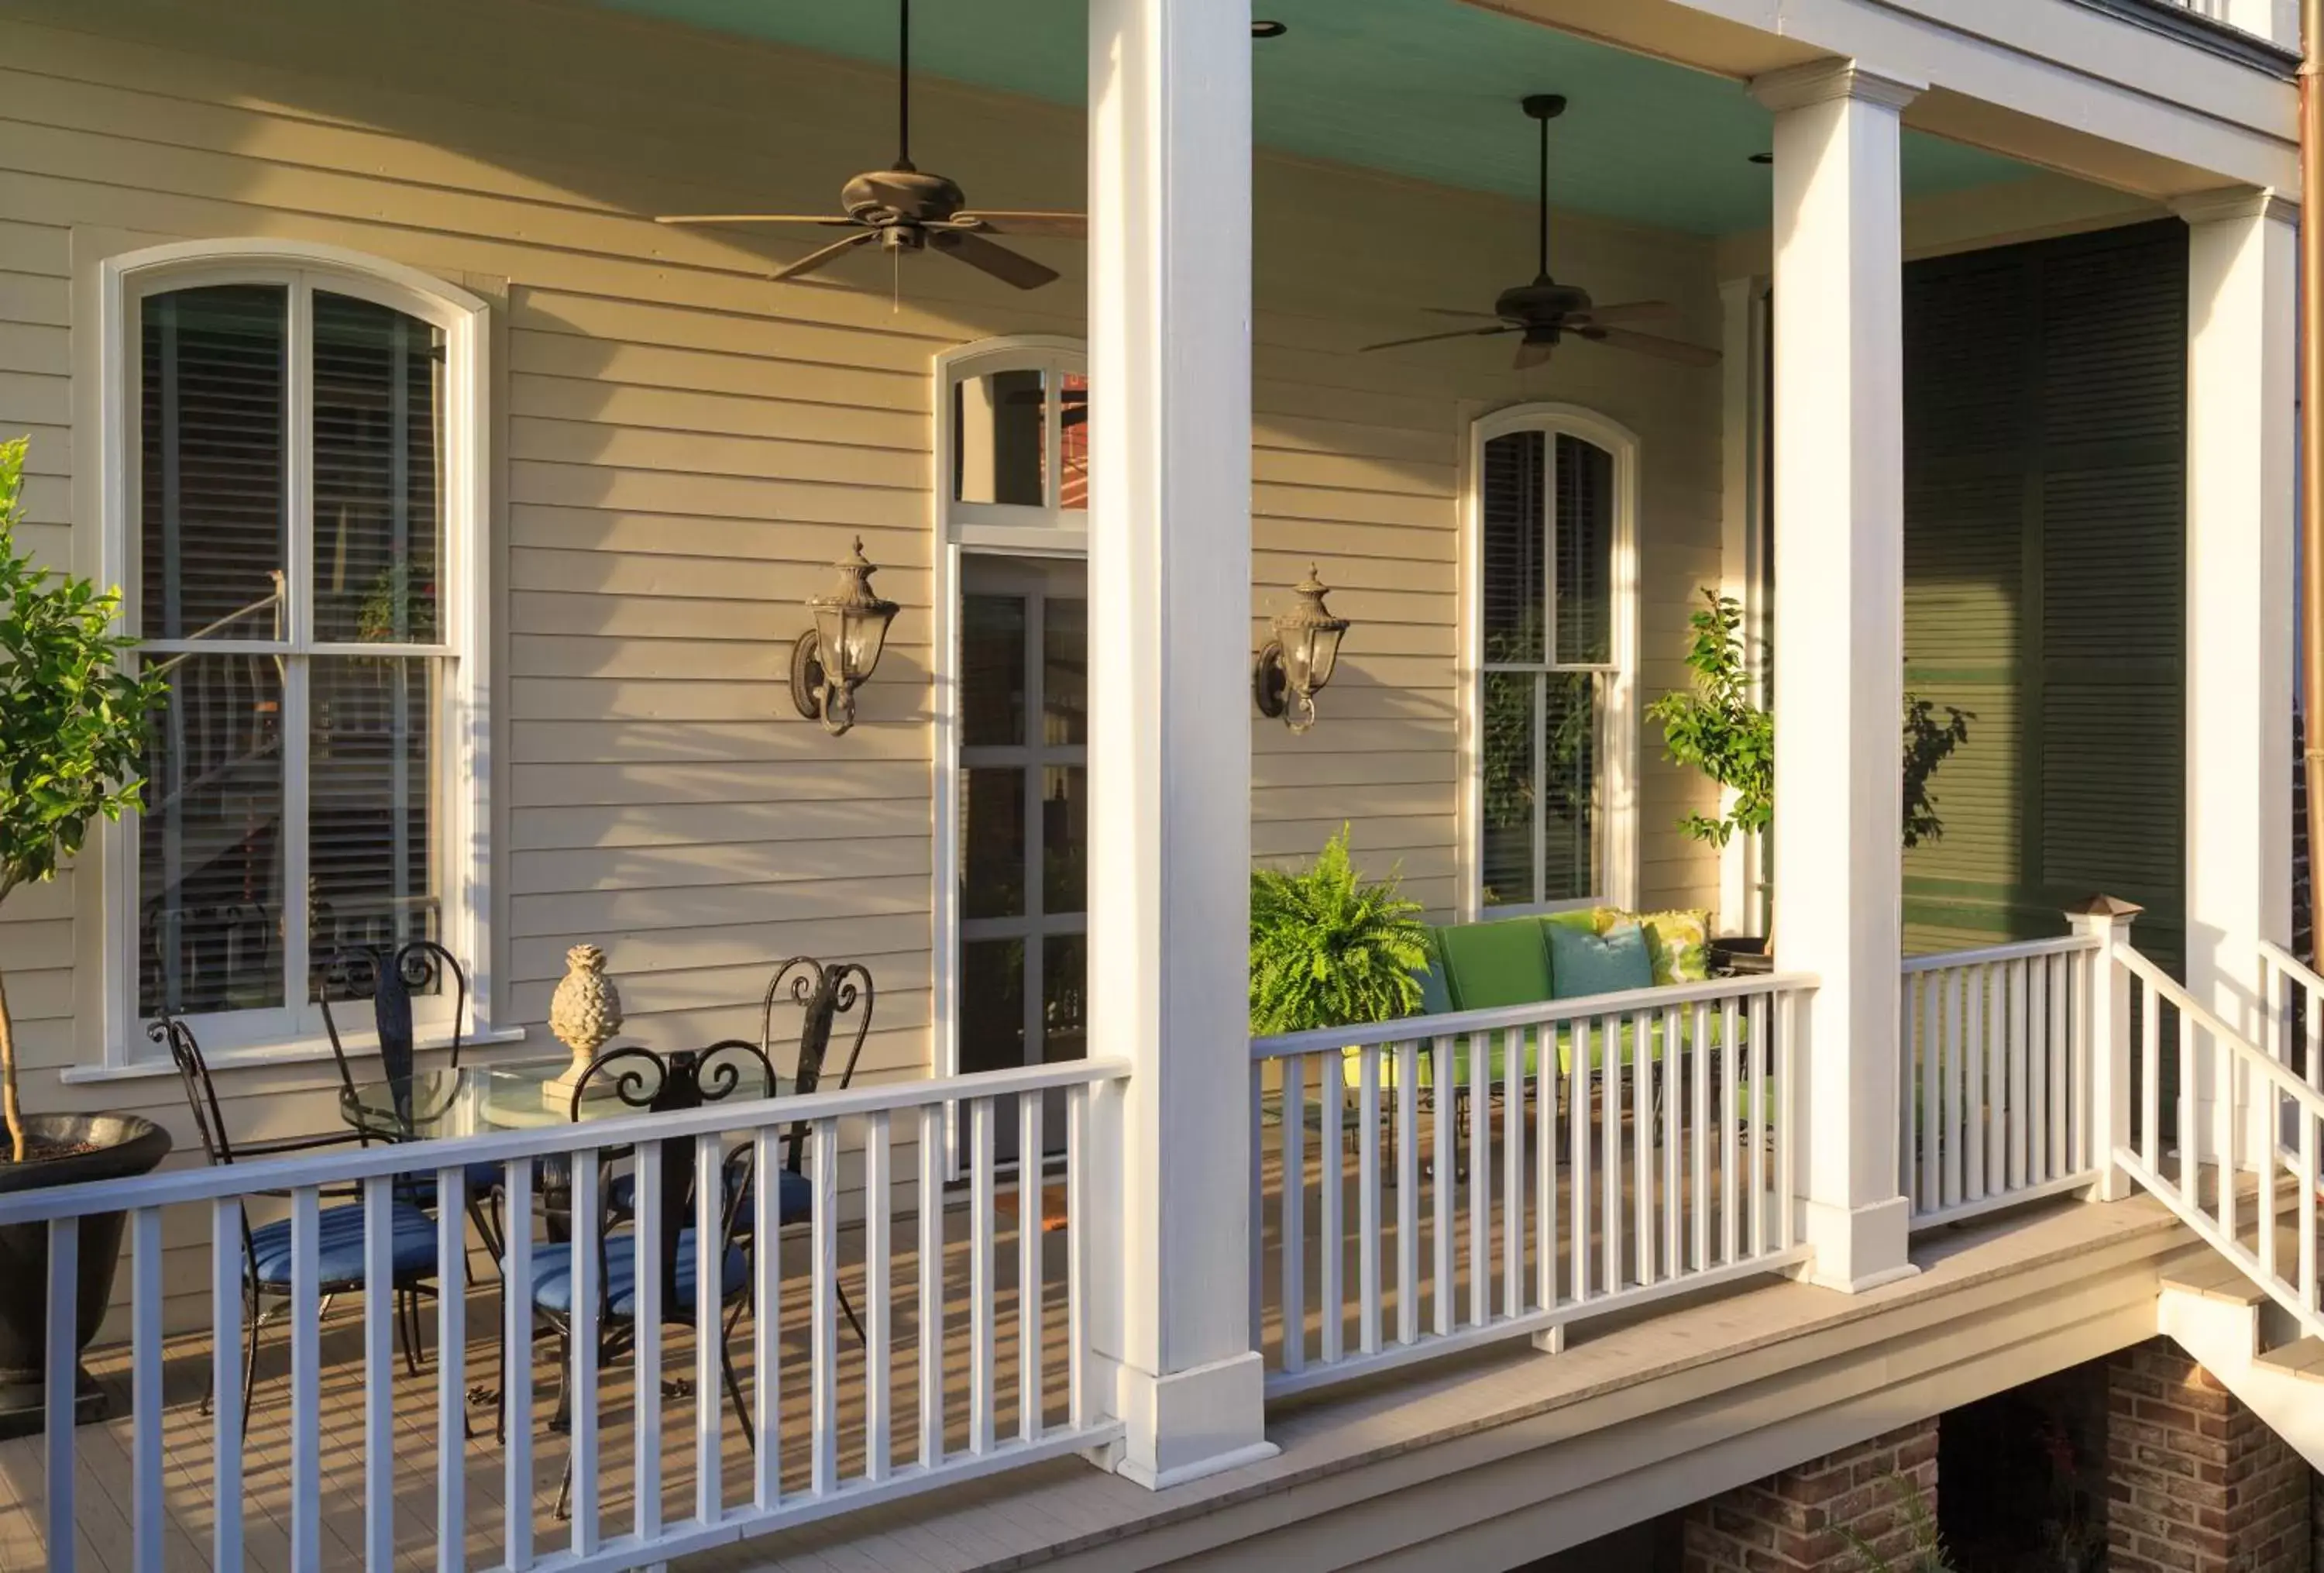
(294, 511)
(1551, 633)
(1013, 444)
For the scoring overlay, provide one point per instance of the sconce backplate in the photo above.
(1271, 684)
(806, 676)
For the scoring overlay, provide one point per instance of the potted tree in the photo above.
(72, 737)
(1721, 730)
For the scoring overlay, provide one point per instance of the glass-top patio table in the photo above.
(511, 1095)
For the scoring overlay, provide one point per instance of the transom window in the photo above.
(1015, 441)
(1552, 638)
(296, 513)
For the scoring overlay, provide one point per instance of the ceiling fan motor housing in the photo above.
(906, 196)
(1543, 299)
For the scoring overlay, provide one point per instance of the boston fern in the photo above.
(1329, 948)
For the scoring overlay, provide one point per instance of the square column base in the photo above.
(1859, 1248)
(1191, 1424)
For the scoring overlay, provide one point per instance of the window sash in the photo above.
(1032, 526)
(1607, 676)
(297, 1017)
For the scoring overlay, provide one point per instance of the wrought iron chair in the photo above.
(266, 1250)
(416, 966)
(825, 991)
(644, 1079)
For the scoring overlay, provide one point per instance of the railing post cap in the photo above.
(2108, 907)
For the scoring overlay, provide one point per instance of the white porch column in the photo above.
(1838, 631)
(2243, 269)
(1170, 226)
(1743, 576)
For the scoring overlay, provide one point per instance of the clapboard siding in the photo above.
(683, 448)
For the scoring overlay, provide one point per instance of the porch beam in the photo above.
(1169, 361)
(2242, 416)
(1838, 352)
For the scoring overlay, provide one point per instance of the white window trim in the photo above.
(123, 282)
(1622, 717)
(959, 528)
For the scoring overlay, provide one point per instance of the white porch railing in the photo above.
(1558, 1185)
(2242, 1174)
(1994, 1088)
(852, 1459)
(2276, 20)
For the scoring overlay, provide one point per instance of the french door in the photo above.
(1021, 860)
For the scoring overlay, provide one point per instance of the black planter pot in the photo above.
(124, 1145)
(1741, 955)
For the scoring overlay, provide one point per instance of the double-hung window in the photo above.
(1552, 641)
(297, 504)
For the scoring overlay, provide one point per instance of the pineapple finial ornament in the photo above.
(584, 1013)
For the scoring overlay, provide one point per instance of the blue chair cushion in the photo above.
(794, 1198)
(420, 1187)
(552, 1275)
(340, 1238)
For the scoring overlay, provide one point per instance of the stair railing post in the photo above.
(2105, 1051)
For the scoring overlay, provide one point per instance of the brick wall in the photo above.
(1794, 1519)
(2197, 1484)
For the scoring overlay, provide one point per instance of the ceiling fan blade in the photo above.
(815, 259)
(1433, 338)
(1669, 349)
(1472, 316)
(1533, 352)
(999, 261)
(1627, 311)
(1015, 221)
(752, 219)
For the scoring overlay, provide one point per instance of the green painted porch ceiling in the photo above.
(1427, 88)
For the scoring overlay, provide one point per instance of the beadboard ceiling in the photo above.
(1427, 88)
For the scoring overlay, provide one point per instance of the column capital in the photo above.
(1819, 81)
(2234, 203)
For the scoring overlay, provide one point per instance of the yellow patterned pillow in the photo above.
(1679, 941)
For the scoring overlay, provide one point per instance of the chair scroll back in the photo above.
(825, 991)
(642, 1079)
(361, 972)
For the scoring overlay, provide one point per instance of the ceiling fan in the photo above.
(905, 208)
(1546, 311)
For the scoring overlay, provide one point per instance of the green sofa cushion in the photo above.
(1593, 964)
(1504, 963)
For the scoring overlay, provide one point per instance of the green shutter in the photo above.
(2044, 521)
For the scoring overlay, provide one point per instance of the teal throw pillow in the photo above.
(1593, 964)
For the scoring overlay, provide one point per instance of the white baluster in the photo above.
(1480, 1179)
(1443, 1166)
(1955, 1122)
(2037, 1069)
(305, 1380)
(1294, 1212)
(1577, 1107)
(1408, 1192)
(1078, 1254)
(146, 1384)
(1512, 1187)
(516, 1370)
(982, 1390)
(1733, 1027)
(226, 1269)
(823, 1229)
(767, 1309)
(59, 1377)
(1934, 1137)
(1028, 1266)
(451, 1370)
(2151, 1068)
(1782, 1019)
(1761, 1063)
(932, 1287)
(1545, 1180)
(1610, 1135)
(645, 1325)
(1703, 1051)
(588, 1283)
(1667, 1092)
(1976, 1061)
(1642, 1144)
(879, 1250)
(1368, 1212)
(1330, 1297)
(709, 1327)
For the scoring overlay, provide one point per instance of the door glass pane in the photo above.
(209, 857)
(373, 871)
(992, 671)
(998, 427)
(1065, 965)
(379, 390)
(1570, 817)
(1065, 671)
(1065, 838)
(992, 1005)
(1585, 553)
(991, 842)
(1073, 442)
(211, 440)
(1515, 531)
(1506, 845)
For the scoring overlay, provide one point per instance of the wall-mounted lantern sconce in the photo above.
(1294, 666)
(832, 659)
